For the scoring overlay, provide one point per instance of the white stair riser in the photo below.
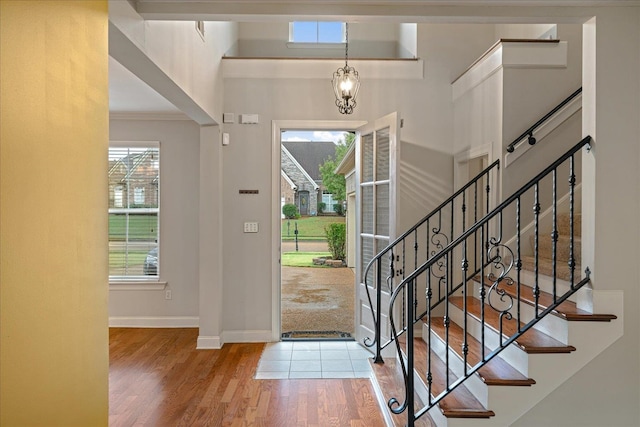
(546, 284)
(512, 354)
(551, 325)
(477, 387)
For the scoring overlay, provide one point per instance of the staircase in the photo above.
(487, 327)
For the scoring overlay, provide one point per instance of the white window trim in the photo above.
(132, 283)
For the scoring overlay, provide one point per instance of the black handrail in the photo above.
(437, 235)
(529, 132)
(496, 256)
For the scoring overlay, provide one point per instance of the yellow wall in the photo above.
(53, 213)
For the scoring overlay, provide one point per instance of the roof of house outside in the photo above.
(311, 154)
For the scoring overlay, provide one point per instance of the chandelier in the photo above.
(346, 82)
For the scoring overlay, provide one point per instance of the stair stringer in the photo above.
(551, 370)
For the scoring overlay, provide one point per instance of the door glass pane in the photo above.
(366, 254)
(382, 209)
(380, 245)
(367, 157)
(367, 210)
(382, 154)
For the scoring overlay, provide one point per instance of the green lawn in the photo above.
(301, 259)
(142, 227)
(309, 228)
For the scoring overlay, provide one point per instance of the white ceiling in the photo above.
(129, 94)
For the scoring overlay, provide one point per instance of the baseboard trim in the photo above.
(247, 336)
(209, 343)
(154, 322)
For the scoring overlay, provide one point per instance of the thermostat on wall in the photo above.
(249, 119)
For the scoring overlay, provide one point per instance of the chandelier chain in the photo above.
(346, 48)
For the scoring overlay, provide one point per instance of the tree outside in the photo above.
(335, 183)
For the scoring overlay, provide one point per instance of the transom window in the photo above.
(134, 207)
(316, 32)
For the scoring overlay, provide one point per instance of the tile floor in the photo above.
(314, 359)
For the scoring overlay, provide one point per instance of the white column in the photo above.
(210, 244)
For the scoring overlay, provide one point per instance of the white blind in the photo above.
(134, 207)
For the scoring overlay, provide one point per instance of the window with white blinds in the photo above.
(374, 190)
(134, 208)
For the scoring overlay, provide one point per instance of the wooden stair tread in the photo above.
(460, 403)
(389, 377)
(568, 310)
(532, 341)
(496, 372)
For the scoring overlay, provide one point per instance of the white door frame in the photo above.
(277, 126)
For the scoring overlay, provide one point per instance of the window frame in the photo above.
(141, 282)
(317, 43)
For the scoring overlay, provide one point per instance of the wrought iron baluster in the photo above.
(536, 211)
(429, 299)
(410, 361)
(483, 292)
(572, 185)
(378, 325)
(554, 235)
(475, 220)
(519, 260)
(415, 282)
(447, 321)
(465, 267)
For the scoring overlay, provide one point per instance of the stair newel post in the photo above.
(378, 325)
(536, 211)
(554, 235)
(410, 362)
(572, 185)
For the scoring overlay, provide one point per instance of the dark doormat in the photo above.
(316, 335)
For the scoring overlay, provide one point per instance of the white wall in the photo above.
(525, 31)
(179, 199)
(184, 59)
(425, 106)
(271, 39)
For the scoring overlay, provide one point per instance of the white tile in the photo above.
(361, 365)
(306, 345)
(276, 355)
(305, 355)
(336, 365)
(305, 374)
(334, 355)
(272, 375)
(353, 345)
(360, 354)
(274, 366)
(306, 365)
(362, 374)
(280, 345)
(338, 374)
(333, 345)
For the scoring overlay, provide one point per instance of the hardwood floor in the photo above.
(158, 378)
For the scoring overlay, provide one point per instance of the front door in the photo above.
(377, 151)
(304, 203)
